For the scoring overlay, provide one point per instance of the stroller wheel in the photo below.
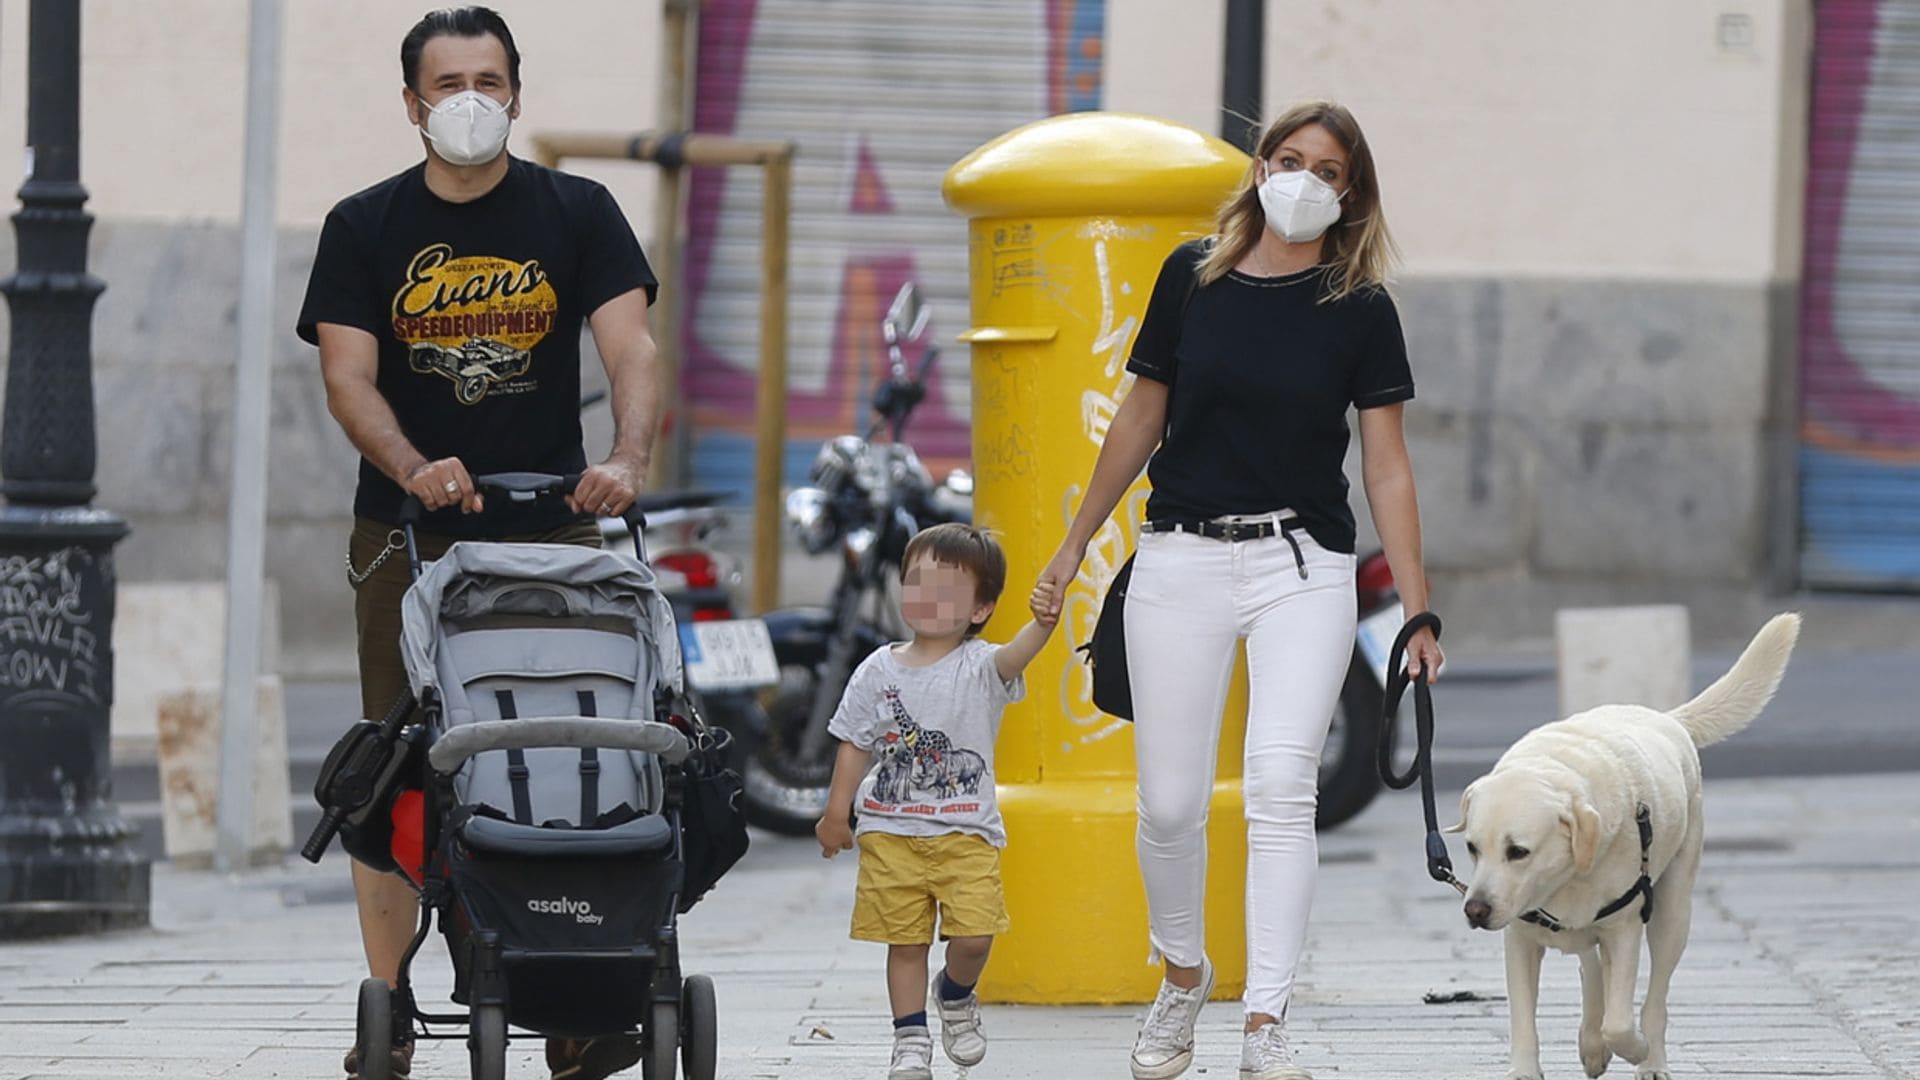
(373, 1030)
(487, 1042)
(699, 1023)
(663, 1035)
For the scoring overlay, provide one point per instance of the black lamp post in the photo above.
(1243, 71)
(67, 864)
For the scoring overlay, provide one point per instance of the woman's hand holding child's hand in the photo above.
(1045, 604)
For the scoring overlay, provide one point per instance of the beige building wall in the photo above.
(163, 98)
(1634, 138)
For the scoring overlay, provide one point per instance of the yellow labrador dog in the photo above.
(1590, 827)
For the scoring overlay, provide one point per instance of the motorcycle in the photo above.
(866, 498)
(729, 660)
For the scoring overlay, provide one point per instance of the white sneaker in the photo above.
(912, 1054)
(960, 1033)
(1165, 1046)
(1265, 1055)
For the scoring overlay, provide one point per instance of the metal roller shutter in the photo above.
(1860, 325)
(881, 98)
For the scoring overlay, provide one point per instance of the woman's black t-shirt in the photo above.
(477, 307)
(1261, 373)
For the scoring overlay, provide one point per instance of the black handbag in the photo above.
(1107, 651)
(713, 821)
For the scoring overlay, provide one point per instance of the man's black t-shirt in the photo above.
(477, 307)
(1260, 374)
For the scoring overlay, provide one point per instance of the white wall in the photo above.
(1625, 139)
(1516, 138)
(163, 106)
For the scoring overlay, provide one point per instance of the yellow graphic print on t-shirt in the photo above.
(474, 320)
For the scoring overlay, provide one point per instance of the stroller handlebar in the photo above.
(452, 749)
(519, 487)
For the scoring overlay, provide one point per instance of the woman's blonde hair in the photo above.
(1358, 245)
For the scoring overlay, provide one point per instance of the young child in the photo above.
(928, 710)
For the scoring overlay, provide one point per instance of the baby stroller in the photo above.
(535, 789)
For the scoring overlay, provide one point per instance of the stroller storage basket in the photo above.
(577, 935)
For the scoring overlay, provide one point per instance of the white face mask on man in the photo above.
(468, 128)
(1299, 206)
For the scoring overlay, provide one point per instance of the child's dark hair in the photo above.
(969, 548)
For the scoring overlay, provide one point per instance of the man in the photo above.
(447, 303)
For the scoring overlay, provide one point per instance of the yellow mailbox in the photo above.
(1070, 219)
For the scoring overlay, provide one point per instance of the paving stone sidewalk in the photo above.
(1804, 962)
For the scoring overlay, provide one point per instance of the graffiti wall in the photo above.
(881, 99)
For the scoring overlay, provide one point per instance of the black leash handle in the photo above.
(1439, 865)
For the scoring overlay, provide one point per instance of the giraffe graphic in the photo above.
(917, 759)
(920, 740)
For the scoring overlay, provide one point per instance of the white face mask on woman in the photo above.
(468, 128)
(1299, 205)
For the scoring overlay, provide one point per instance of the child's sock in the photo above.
(953, 991)
(918, 1019)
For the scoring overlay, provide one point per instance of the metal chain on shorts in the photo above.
(396, 540)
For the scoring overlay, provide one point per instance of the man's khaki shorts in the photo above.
(904, 879)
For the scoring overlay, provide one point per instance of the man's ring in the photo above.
(606, 510)
(451, 487)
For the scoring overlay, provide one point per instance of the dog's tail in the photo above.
(1732, 702)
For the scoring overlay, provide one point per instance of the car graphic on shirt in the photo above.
(474, 367)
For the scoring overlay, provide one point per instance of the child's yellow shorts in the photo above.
(903, 879)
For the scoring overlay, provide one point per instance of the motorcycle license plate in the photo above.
(1376, 635)
(733, 655)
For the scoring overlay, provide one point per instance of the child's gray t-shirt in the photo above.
(931, 731)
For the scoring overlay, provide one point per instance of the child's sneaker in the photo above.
(912, 1054)
(1165, 1046)
(960, 1033)
(1265, 1056)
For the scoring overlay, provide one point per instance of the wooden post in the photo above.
(775, 160)
(669, 450)
(770, 429)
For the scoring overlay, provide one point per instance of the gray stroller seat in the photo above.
(548, 639)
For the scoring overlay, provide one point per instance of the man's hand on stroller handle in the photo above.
(607, 489)
(443, 483)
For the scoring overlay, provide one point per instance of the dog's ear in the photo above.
(1465, 798)
(1583, 827)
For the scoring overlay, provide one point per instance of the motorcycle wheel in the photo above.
(786, 795)
(1349, 771)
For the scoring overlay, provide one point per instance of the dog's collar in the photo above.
(1642, 888)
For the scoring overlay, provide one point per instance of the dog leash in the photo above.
(1439, 865)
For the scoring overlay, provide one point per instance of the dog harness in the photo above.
(1642, 888)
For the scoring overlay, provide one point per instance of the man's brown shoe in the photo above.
(592, 1059)
(402, 1058)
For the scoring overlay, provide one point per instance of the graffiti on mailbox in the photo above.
(1107, 552)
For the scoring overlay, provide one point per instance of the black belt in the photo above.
(1237, 531)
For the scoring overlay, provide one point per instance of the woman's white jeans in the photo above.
(1190, 600)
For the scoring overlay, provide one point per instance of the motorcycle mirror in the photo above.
(906, 311)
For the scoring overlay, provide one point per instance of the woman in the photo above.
(1255, 343)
